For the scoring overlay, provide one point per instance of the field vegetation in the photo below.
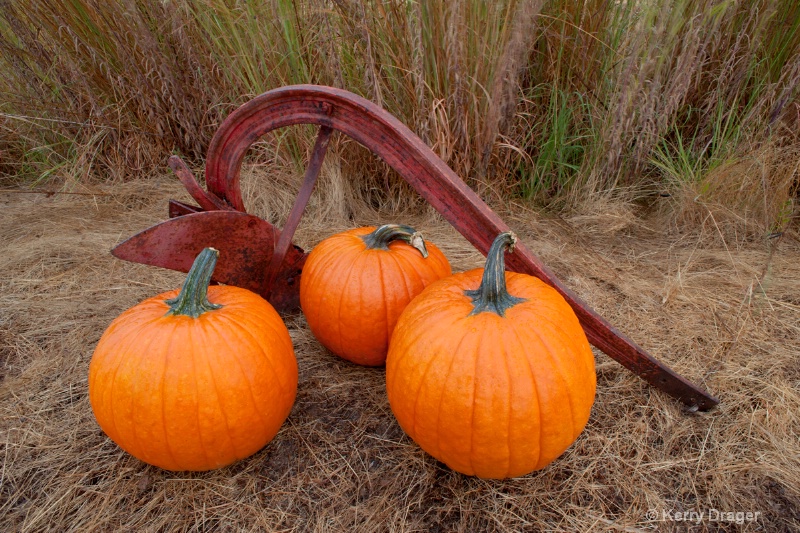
(559, 102)
(648, 151)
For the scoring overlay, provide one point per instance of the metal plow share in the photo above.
(257, 256)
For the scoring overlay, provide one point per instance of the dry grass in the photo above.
(723, 312)
(691, 99)
(557, 101)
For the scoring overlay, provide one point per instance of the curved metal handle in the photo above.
(407, 154)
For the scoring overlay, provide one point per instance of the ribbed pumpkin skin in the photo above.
(185, 393)
(491, 396)
(352, 296)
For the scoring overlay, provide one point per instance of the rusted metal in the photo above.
(245, 243)
(177, 209)
(208, 201)
(400, 148)
(310, 179)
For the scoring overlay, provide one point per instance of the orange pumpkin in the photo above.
(490, 372)
(196, 379)
(355, 285)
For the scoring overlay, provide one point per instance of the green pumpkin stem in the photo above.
(492, 295)
(193, 299)
(381, 237)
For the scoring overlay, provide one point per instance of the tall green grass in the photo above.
(557, 102)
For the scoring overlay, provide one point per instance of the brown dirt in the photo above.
(721, 311)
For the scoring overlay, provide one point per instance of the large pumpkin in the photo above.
(490, 372)
(196, 379)
(355, 285)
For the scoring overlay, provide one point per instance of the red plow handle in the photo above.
(407, 154)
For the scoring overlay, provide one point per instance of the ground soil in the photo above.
(719, 304)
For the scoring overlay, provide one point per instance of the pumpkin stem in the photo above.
(492, 295)
(193, 299)
(381, 237)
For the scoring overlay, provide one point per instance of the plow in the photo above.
(256, 255)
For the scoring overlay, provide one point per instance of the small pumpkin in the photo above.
(490, 371)
(355, 284)
(194, 379)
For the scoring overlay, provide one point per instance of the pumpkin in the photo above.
(194, 379)
(355, 284)
(490, 371)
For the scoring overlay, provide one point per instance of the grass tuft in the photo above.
(555, 102)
